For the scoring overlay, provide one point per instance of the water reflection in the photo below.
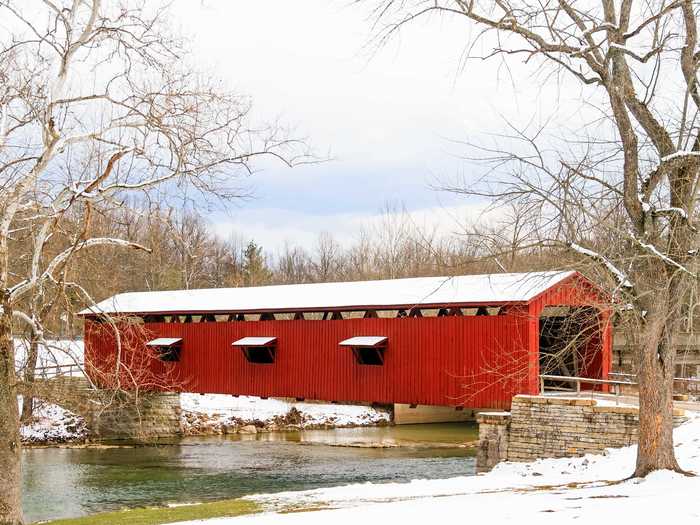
(74, 482)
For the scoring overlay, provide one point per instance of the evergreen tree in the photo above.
(255, 269)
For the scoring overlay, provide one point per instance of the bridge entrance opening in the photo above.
(571, 344)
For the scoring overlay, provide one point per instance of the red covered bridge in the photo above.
(464, 341)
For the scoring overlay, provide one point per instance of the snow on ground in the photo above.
(53, 424)
(591, 488)
(54, 353)
(219, 409)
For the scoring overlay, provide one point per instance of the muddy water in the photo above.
(75, 482)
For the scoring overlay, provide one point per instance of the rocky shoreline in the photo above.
(212, 415)
(53, 425)
(203, 424)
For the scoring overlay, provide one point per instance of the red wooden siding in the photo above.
(471, 361)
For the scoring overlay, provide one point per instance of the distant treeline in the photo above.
(185, 253)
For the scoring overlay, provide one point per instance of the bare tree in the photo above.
(293, 265)
(97, 101)
(630, 177)
(226, 267)
(191, 242)
(326, 260)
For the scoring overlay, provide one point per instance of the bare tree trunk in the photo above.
(29, 373)
(656, 367)
(10, 474)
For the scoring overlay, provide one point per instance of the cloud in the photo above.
(273, 227)
(387, 119)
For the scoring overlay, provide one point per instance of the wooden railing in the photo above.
(53, 371)
(616, 385)
(617, 381)
(681, 385)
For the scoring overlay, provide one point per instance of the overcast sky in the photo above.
(387, 119)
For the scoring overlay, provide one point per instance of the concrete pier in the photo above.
(413, 414)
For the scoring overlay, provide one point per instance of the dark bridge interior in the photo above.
(570, 343)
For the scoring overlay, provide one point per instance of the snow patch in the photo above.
(221, 409)
(620, 276)
(53, 424)
(679, 154)
(672, 210)
(668, 260)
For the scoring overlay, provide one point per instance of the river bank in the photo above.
(213, 414)
(54, 425)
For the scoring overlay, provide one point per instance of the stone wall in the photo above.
(551, 427)
(153, 416)
(112, 415)
(493, 439)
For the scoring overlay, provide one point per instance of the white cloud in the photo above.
(386, 118)
(273, 227)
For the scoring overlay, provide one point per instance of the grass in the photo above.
(159, 515)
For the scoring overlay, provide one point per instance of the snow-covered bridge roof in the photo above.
(419, 291)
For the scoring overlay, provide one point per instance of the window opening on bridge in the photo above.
(167, 348)
(367, 349)
(259, 350)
